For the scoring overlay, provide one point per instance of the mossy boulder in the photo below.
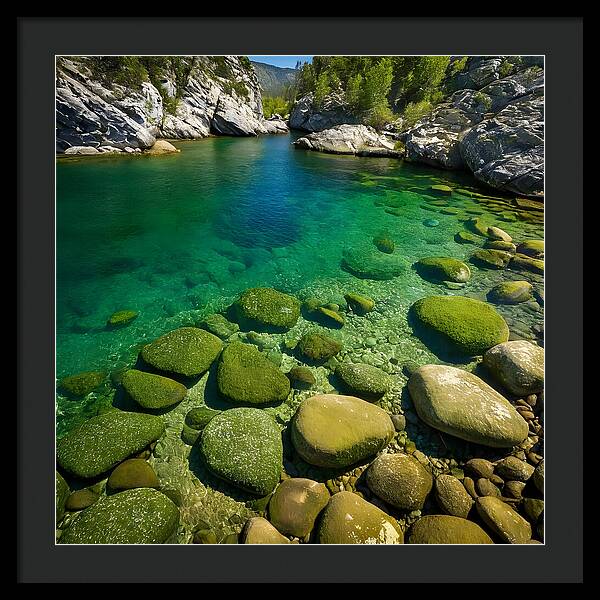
(317, 347)
(500, 245)
(259, 531)
(268, 308)
(152, 391)
(243, 446)
(331, 318)
(518, 365)
(186, 351)
(503, 520)
(133, 473)
(189, 435)
(511, 292)
(348, 519)
(218, 325)
(122, 318)
(368, 263)
(461, 404)
(365, 381)
(329, 430)
(82, 384)
(247, 376)
(491, 259)
(532, 248)
(384, 244)
(464, 237)
(301, 378)
(441, 190)
(296, 504)
(81, 499)
(470, 325)
(198, 418)
(140, 516)
(452, 497)
(104, 441)
(443, 269)
(431, 222)
(447, 529)
(361, 305)
(62, 493)
(399, 480)
(520, 262)
(495, 233)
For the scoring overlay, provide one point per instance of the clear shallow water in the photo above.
(179, 237)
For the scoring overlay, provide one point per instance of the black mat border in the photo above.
(561, 40)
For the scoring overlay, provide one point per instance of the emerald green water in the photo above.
(179, 237)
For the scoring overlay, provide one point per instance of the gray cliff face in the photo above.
(306, 117)
(492, 125)
(111, 117)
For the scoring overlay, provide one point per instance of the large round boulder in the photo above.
(133, 473)
(268, 308)
(443, 269)
(366, 262)
(317, 347)
(503, 520)
(510, 292)
(152, 391)
(366, 381)
(447, 529)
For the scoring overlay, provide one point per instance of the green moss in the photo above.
(443, 269)
(464, 237)
(267, 307)
(104, 441)
(301, 377)
(500, 245)
(491, 259)
(361, 305)
(140, 516)
(476, 225)
(82, 384)
(152, 391)
(62, 493)
(520, 262)
(368, 263)
(186, 351)
(247, 376)
(198, 418)
(533, 248)
(331, 317)
(444, 190)
(318, 347)
(384, 244)
(364, 381)
(243, 446)
(122, 318)
(189, 435)
(511, 292)
(471, 325)
(218, 325)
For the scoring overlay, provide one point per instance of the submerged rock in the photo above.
(331, 317)
(218, 325)
(361, 305)
(460, 404)
(122, 318)
(81, 499)
(82, 384)
(511, 292)
(520, 262)
(317, 347)
(384, 244)
(365, 381)
(266, 307)
(152, 391)
(532, 248)
(464, 237)
(491, 259)
(336, 431)
(198, 418)
(301, 378)
(133, 473)
(259, 531)
(443, 269)
(369, 263)
(62, 493)
(447, 529)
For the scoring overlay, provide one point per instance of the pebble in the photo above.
(470, 487)
(486, 488)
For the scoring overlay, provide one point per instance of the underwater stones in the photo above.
(140, 516)
(318, 347)
(518, 365)
(296, 504)
(198, 418)
(452, 497)
(532, 248)
(104, 441)
(471, 325)
(218, 325)
(186, 351)
(431, 222)
(331, 317)
(500, 245)
(330, 430)
(510, 292)
(460, 404)
(369, 263)
(62, 493)
(259, 531)
(266, 307)
(243, 446)
(81, 499)
(491, 259)
(365, 381)
(442, 190)
(189, 435)
(447, 529)
(81, 384)
(384, 244)
(361, 305)
(520, 262)
(450, 211)
(348, 519)
(122, 318)
(477, 226)
(133, 473)
(495, 233)
(464, 237)
(301, 378)
(152, 391)
(443, 269)
(247, 376)
(503, 520)
(399, 480)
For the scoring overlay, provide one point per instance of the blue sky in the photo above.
(281, 61)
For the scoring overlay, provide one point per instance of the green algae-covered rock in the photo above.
(331, 317)
(348, 519)
(361, 305)
(500, 245)
(511, 292)
(246, 375)
(318, 347)
(399, 480)
(218, 325)
(259, 531)
(363, 380)
(464, 237)
(477, 226)
(495, 233)
(62, 493)
(152, 391)
(520, 262)
(471, 325)
(189, 435)
(82, 384)
(133, 473)
(243, 446)
(532, 248)
(442, 190)
(198, 418)
(81, 499)
(267, 307)
(122, 318)
(296, 504)
(186, 351)
(301, 378)
(104, 441)
(384, 244)
(447, 529)
(369, 263)
(443, 269)
(461, 404)
(329, 430)
(503, 520)
(491, 259)
(140, 516)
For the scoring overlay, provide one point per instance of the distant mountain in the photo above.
(272, 79)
